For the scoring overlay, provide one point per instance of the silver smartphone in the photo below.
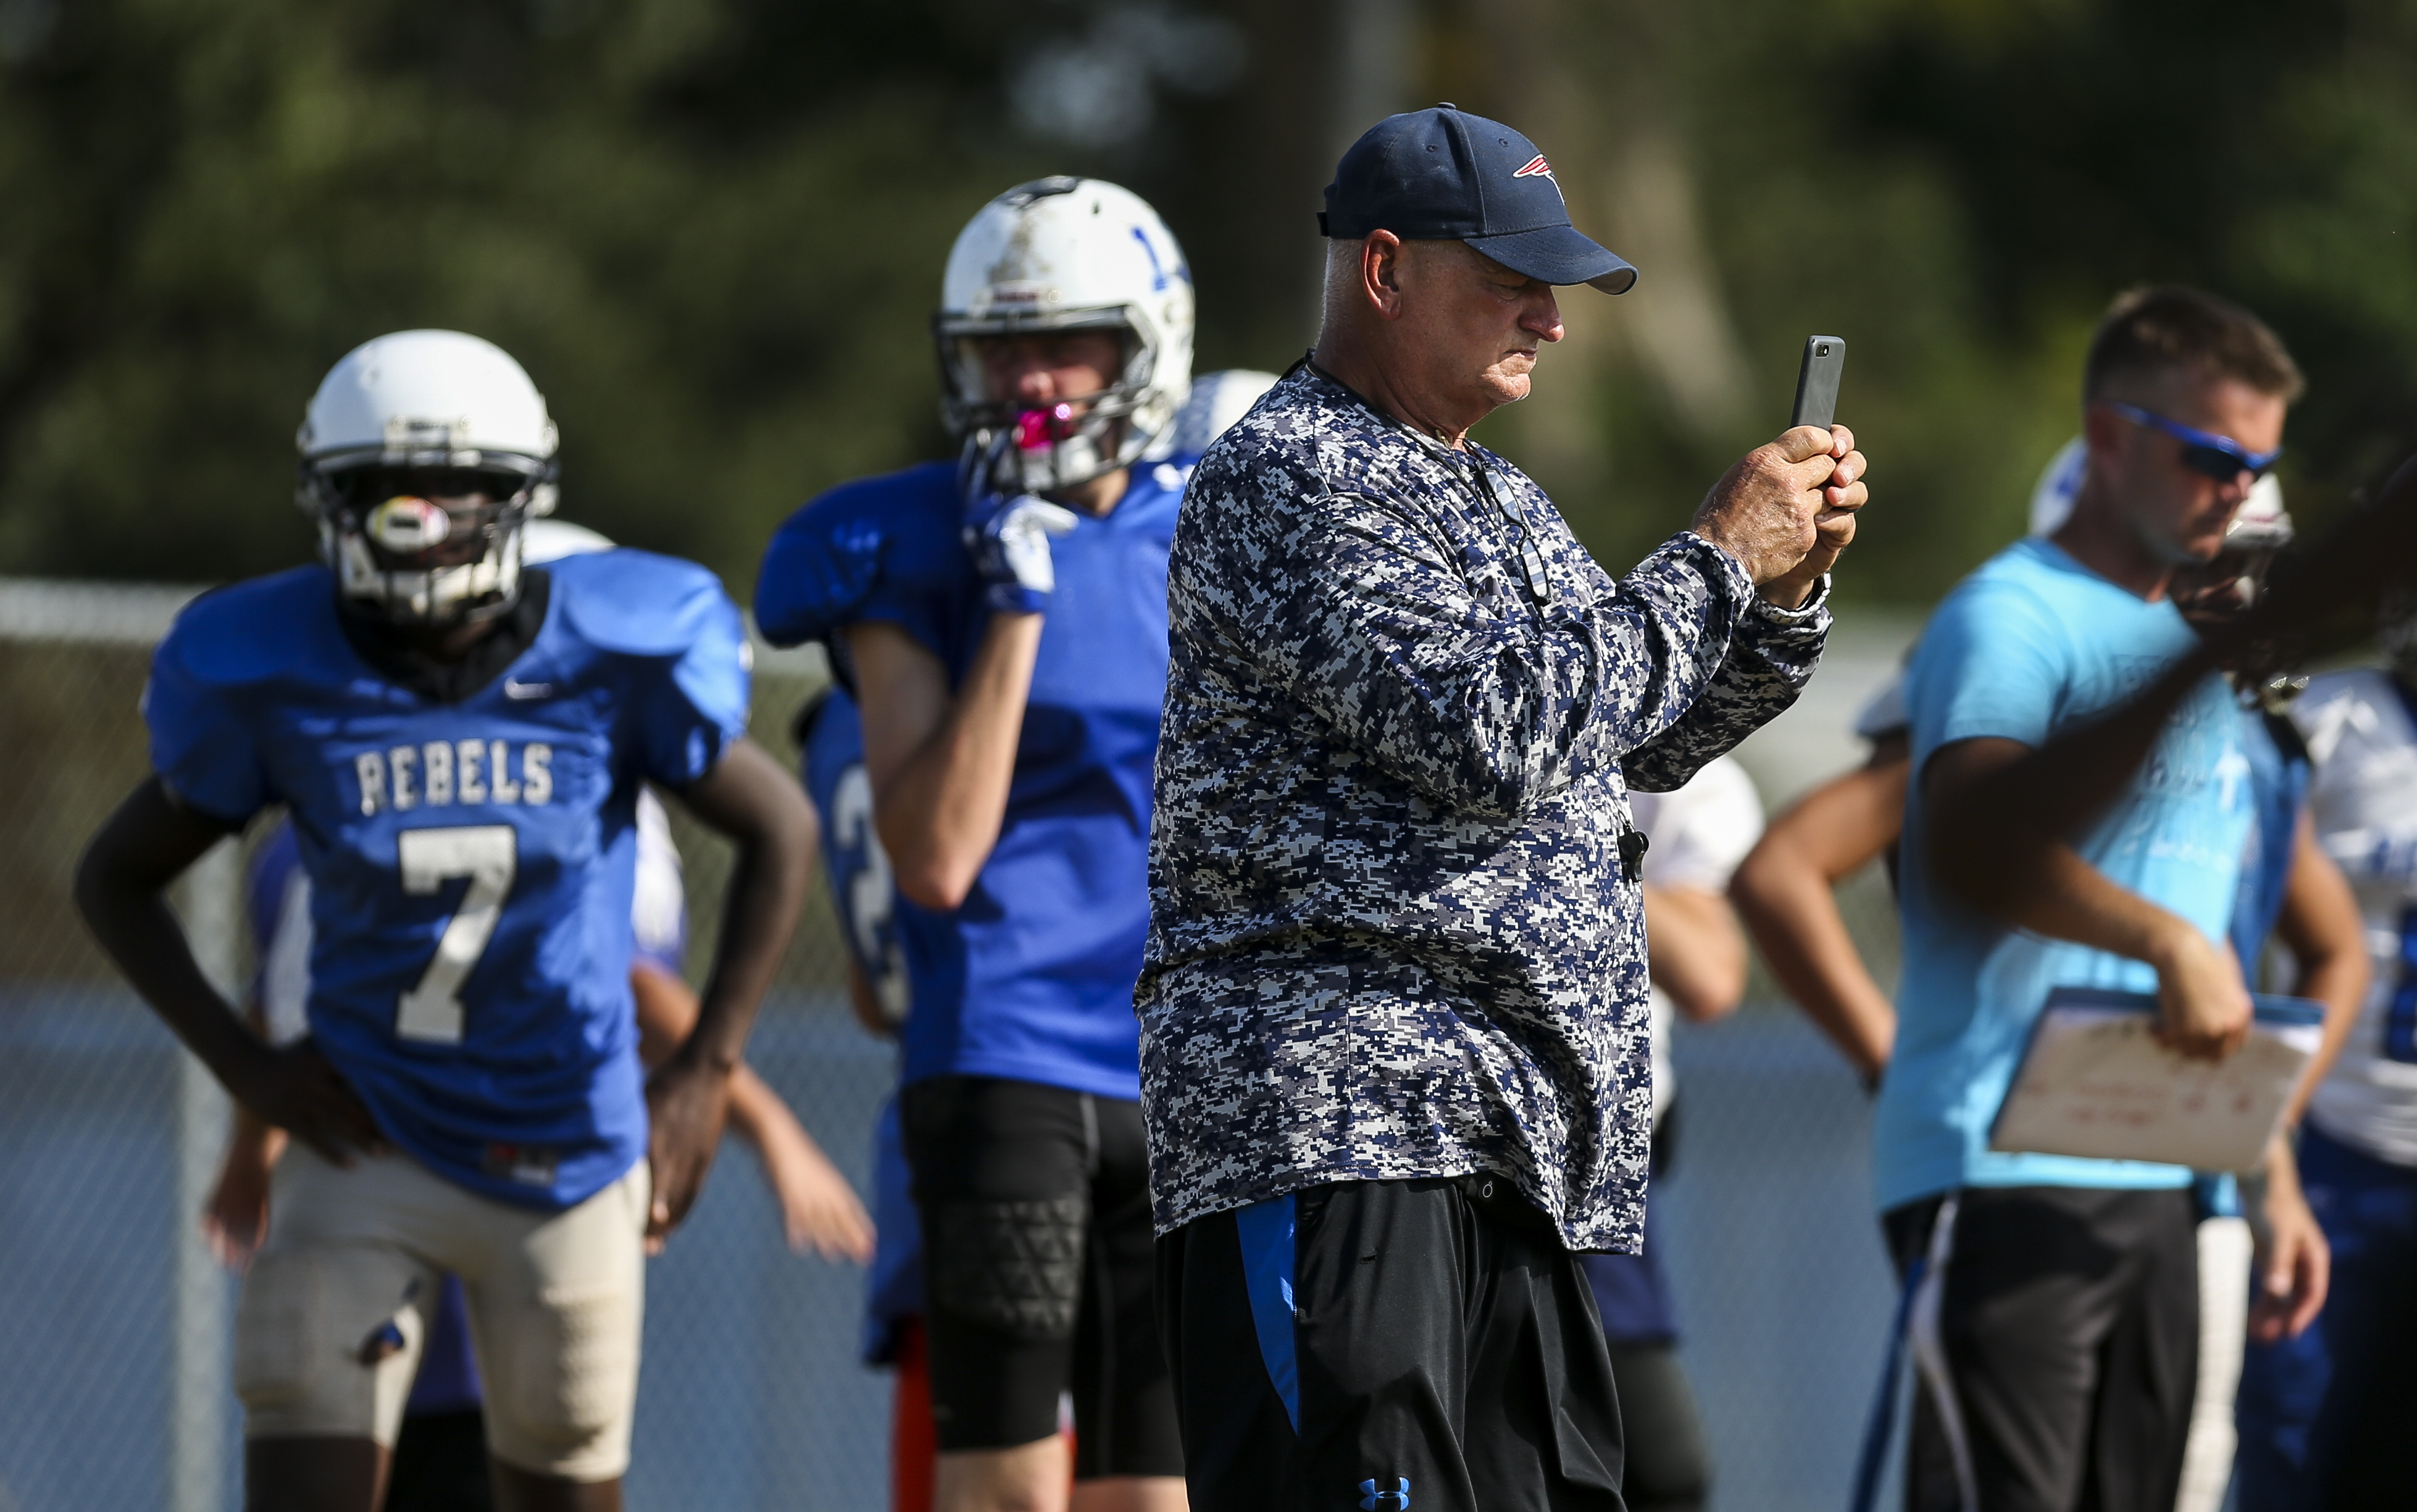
(1817, 382)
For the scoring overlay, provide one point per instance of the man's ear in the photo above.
(1380, 272)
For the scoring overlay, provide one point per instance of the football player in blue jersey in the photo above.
(830, 736)
(460, 743)
(1001, 623)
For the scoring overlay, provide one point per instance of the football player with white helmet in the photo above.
(1000, 622)
(459, 741)
(2321, 1414)
(831, 738)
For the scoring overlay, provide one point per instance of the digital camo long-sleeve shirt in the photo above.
(1393, 933)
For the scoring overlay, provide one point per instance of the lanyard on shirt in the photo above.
(1505, 499)
(1505, 503)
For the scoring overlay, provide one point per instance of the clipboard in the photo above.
(2094, 1082)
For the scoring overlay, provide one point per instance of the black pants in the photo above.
(1036, 1265)
(1670, 1465)
(2070, 1327)
(1440, 1350)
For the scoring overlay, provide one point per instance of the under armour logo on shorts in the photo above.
(1396, 1499)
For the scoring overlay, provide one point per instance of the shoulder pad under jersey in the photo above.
(637, 603)
(256, 629)
(826, 561)
(1216, 401)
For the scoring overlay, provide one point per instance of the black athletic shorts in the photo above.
(2069, 1323)
(1669, 1466)
(1386, 1346)
(1035, 1206)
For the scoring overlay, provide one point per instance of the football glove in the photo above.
(1007, 536)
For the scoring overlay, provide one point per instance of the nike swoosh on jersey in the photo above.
(528, 690)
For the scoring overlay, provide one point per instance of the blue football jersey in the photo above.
(471, 863)
(863, 889)
(866, 900)
(1032, 977)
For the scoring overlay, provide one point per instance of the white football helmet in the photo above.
(418, 402)
(2059, 483)
(1218, 400)
(1065, 255)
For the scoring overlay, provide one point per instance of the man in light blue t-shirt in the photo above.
(2061, 1343)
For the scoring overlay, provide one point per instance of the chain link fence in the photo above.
(116, 1393)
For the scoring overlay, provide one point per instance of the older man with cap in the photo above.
(1393, 1006)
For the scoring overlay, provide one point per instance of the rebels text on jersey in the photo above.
(472, 863)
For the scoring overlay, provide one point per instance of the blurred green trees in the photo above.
(712, 230)
(1959, 187)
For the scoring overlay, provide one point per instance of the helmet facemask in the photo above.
(426, 544)
(1020, 448)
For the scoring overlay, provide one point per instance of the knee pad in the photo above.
(327, 1341)
(1014, 1266)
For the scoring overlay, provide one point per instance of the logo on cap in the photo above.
(1536, 168)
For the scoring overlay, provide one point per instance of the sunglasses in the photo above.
(2219, 457)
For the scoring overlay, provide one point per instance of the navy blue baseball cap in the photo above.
(1442, 173)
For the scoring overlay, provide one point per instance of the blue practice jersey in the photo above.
(863, 889)
(470, 863)
(866, 900)
(1032, 977)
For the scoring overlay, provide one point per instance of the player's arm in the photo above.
(941, 763)
(1784, 892)
(748, 799)
(2294, 1262)
(2322, 927)
(818, 1208)
(235, 1216)
(1695, 950)
(120, 887)
(1998, 819)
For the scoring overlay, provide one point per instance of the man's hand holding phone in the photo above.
(1787, 508)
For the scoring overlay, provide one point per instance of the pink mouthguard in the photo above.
(1037, 428)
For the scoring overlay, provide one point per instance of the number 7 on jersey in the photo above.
(489, 856)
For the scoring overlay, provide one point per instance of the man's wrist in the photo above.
(1773, 597)
(2167, 940)
(1730, 563)
(1014, 599)
(700, 1057)
(241, 1060)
